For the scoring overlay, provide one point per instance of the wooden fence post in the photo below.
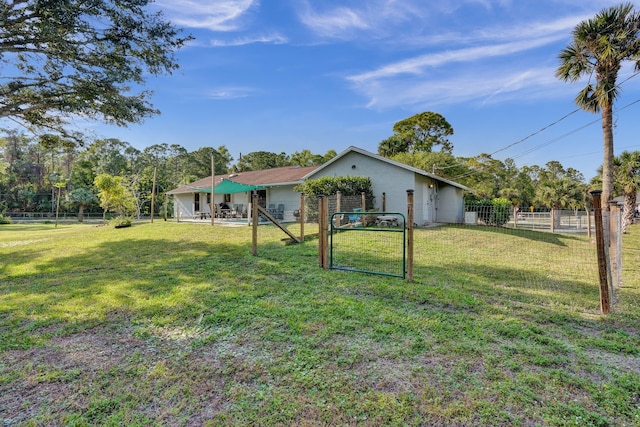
(322, 218)
(302, 217)
(153, 194)
(212, 205)
(254, 219)
(409, 236)
(605, 301)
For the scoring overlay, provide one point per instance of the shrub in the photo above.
(5, 219)
(491, 212)
(121, 222)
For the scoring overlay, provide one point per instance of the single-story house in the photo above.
(436, 199)
(274, 187)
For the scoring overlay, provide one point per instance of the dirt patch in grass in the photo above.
(51, 372)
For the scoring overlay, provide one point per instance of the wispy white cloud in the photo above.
(465, 87)
(560, 28)
(357, 20)
(336, 22)
(474, 69)
(215, 15)
(241, 41)
(418, 64)
(229, 92)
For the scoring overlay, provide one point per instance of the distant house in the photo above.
(436, 199)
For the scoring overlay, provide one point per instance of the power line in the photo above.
(617, 86)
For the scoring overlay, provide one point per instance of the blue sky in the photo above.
(288, 75)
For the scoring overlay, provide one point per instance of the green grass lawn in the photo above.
(178, 324)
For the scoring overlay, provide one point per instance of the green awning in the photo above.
(226, 186)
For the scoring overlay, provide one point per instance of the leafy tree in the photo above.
(114, 195)
(259, 160)
(80, 58)
(442, 164)
(486, 176)
(81, 197)
(199, 161)
(627, 179)
(599, 47)
(420, 132)
(395, 145)
(23, 178)
(306, 158)
(520, 189)
(559, 188)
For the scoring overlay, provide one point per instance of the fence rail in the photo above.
(564, 220)
(48, 216)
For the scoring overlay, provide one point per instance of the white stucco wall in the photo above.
(450, 204)
(183, 205)
(385, 178)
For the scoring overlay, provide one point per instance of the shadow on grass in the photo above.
(170, 281)
(537, 236)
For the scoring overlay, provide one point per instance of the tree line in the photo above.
(33, 172)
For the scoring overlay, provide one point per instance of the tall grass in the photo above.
(178, 324)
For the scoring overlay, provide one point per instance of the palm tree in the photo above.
(599, 47)
(627, 168)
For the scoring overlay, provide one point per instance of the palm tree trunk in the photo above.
(607, 165)
(629, 209)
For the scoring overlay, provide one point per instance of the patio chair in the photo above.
(280, 211)
(356, 217)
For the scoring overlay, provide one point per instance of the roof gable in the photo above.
(404, 166)
(287, 175)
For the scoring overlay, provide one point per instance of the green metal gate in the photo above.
(375, 247)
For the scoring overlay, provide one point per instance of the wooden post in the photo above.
(384, 202)
(325, 234)
(302, 217)
(254, 218)
(153, 194)
(605, 302)
(166, 206)
(58, 206)
(364, 209)
(212, 205)
(409, 236)
(338, 206)
(321, 218)
(320, 240)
